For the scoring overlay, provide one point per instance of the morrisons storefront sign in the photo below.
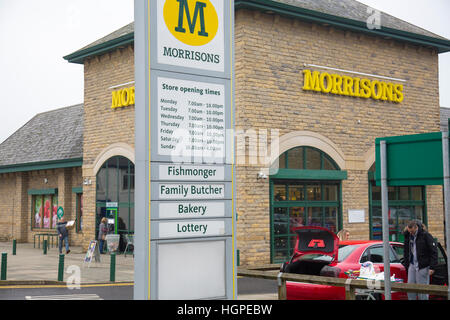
(352, 86)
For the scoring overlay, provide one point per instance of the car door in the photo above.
(375, 254)
(440, 276)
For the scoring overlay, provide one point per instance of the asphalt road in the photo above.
(113, 291)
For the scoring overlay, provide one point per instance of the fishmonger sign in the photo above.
(184, 208)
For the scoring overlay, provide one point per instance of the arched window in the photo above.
(405, 204)
(306, 191)
(115, 193)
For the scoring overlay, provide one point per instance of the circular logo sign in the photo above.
(60, 212)
(193, 22)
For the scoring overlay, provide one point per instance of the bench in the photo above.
(44, 235)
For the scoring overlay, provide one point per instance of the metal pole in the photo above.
(385, 216)
(446, 169)
(14, 247)
(112, 268)
(45, 246)
(61, 268)
(4, 266)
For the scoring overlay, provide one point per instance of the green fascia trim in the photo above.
(43, 191)
(310, 174)
(69, 163)
(79, 56)
(339, 22)
(77, 190)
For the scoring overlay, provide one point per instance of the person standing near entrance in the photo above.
(102, 232)
(63, 234)
(420, 256)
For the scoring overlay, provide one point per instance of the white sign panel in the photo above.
(201, 274)
(191, 33)
(184, 210)
(191, 172)
(356, 216)
(192, 228)
(191, 118)
(191, 191)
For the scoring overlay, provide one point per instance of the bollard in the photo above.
(4, 263)
(61, 268)
(45, 246)
(14, 247)
(112, 270)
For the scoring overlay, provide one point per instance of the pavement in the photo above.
(31, 266)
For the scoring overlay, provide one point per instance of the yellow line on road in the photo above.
(67, 286)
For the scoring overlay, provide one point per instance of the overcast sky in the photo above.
(35, 35)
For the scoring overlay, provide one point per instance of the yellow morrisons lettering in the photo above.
(354, 87)
(122, 98)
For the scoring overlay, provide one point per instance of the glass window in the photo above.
(405, 204)
(280, 221)
(297, 192)
(328, 164)
(279, 191)
(314, 217)
(314, 192)
(416, 193)
(399, 251)
(403, 193)
(116, 183)
(282, 161)
(331, 218)
(296, 218)
(313, 159)
(79, 218)
(45, 209)
(330, 192)
(295, 158)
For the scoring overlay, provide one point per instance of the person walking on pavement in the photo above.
(102, 232)
(420, 256)
(63, 234)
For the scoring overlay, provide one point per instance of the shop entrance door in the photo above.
(297, 203)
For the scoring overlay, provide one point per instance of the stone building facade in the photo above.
(326, 148)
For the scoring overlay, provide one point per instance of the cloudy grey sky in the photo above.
(35, 35)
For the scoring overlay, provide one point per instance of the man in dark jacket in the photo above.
(420, 258)
(63, 234)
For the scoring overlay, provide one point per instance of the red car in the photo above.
(318, 251)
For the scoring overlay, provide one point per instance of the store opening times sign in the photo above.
(191, 118)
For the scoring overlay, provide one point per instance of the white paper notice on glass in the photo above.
(356, 216)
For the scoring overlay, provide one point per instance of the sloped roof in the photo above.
(354, 10)
(49, 136)
(347, 14)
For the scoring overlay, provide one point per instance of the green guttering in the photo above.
(44, 165)
(80, 55)
(287, 10)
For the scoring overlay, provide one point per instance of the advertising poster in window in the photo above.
(38, 212)
(47, 210)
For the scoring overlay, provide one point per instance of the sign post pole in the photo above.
(445, 158)
(184, 160)
(385, 217)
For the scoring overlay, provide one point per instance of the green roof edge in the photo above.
(80, 55)
(290, 11)
(43, 165)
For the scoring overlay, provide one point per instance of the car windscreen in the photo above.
(343, 252)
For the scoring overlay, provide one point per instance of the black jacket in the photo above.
(61, 228)
(426, 247)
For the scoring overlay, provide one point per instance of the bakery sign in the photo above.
(352, 86)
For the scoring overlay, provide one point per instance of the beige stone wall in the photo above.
(270, 55)
(16, 203)
(103, 126)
